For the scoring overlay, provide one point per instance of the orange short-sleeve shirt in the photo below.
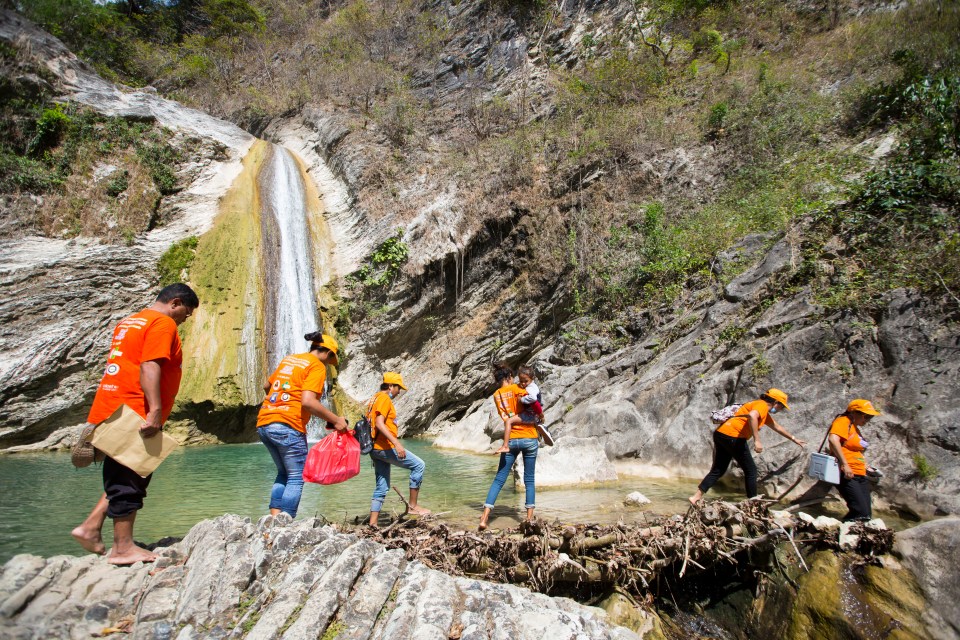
(382, 405)
(738, 425)
(506, 399)
(850, 444)
(284, 402)
(144, 336)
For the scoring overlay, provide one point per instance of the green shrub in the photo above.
(384, 263)
(49, 129)
(118, 184)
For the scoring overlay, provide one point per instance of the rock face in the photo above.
(276, 579)
(930, 551)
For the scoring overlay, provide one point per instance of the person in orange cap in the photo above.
(293, 394)
(848, 445)
(388, 450)
(730, 441)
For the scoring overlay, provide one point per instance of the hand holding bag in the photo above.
(334, 459)
(119, 437)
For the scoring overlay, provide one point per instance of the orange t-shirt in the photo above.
(507, 399)
(383, 405)
(739, 425)
(294, 375)
(850, 444)
(148, 335)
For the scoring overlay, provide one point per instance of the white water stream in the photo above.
(291, 297)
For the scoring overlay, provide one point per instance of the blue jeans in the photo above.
(381, 468)
(528, 448)
(288, 448)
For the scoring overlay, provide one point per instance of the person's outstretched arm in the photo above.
(312, 403)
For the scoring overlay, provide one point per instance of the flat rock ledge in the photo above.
(277, 578)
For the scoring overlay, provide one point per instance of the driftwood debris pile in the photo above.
(556, 558)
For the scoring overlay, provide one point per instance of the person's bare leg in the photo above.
(695, 498)
(274, 512)
(530, 514)
(124, 551)
(414, 509)
(374, 517)
(88, 533)
(484, 518)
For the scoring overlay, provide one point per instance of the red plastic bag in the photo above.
(334, 459)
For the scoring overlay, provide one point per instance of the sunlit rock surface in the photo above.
(277, 579)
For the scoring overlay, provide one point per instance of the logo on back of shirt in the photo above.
(113, 369)
(286, 386)
(287, 370)
(273, 398)
(276, 385)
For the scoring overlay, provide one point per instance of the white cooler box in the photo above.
(824, 467)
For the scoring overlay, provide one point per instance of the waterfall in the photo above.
(289, 292)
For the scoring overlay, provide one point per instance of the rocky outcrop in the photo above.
(276, 579)
(928, 550)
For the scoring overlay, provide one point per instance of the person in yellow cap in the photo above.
(292, 394)
(388, 450)
(730, 441)
(848, 445)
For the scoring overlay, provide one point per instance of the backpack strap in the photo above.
(829, 429)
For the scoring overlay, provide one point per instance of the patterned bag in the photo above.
(722, 415)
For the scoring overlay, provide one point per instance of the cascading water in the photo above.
(290, 296)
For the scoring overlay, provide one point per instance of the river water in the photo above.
(44, 497)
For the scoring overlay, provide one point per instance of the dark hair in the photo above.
(526, 370)
(179, 290)
(501, 371)
(384, 386)
(314, 336)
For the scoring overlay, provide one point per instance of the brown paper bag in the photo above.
(119, 437)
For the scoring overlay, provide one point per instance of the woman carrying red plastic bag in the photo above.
(334, 459)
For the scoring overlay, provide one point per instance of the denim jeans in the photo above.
(382, 460)
(288, 448)
(527, 447)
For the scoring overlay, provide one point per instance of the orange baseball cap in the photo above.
(391, 377)
(863, 406)
(328, 342)
(779, 396)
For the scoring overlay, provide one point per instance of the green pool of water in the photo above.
(43, 497)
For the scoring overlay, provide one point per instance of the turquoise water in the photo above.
(44, 497)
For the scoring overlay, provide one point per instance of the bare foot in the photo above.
(482, 526)
(134, 554)
(693, 500)
(89, 540)
(419, 511)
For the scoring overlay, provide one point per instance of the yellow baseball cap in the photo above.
(391, 377)
(779, 396)
(863, 406)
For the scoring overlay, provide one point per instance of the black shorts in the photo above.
(124, 487)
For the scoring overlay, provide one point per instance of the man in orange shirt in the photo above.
(730, 441)
(293, 393)
(143, 372)
(388, 450)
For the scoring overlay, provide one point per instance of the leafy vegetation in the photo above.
(174, 264)
(925, 470)
(384, 263)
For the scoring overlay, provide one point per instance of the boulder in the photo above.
(930, 550)
(570, 461)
